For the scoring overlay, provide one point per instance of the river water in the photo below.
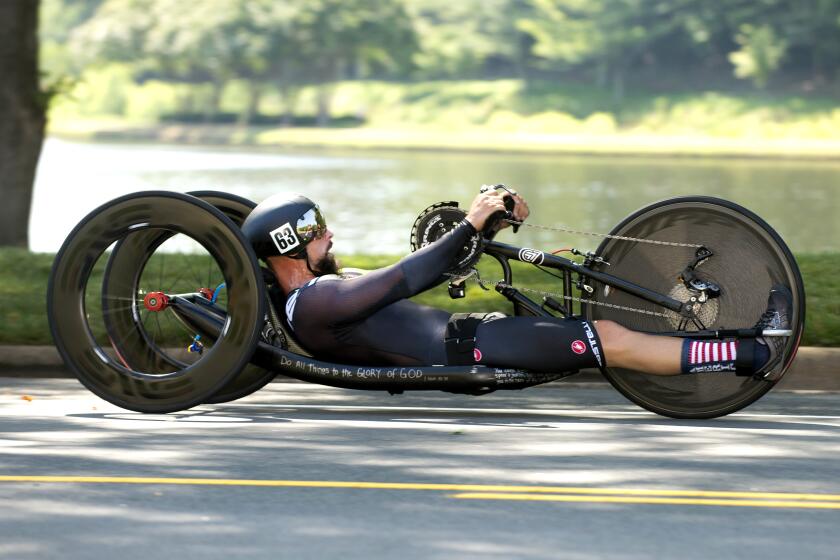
(370, 199)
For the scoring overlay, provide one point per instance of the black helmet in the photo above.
(283, 225)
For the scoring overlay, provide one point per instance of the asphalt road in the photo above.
(302, 471)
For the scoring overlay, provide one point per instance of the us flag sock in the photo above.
(702, 357)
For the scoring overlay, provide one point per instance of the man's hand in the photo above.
(487, 203)
(520, 211)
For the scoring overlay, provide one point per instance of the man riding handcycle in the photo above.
(690, 349)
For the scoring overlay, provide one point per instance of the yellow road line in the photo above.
(474, 488)
(643, 500)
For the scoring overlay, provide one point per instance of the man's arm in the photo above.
(345, 301)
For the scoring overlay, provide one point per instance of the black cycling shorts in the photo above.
(543, 344)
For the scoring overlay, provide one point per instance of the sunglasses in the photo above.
(311, 225)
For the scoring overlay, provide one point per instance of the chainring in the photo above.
(436, 221)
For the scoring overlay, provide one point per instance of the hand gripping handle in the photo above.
(493, 221)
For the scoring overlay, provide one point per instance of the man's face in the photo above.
(320, 259)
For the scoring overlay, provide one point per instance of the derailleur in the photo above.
(700, 289)
(705, 289)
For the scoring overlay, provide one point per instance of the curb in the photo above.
(815, 368)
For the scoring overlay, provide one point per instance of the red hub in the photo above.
(156, 301)
(206, 292)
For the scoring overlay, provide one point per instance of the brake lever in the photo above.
(493, 220)
(510, 204)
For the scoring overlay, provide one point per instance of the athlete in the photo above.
(368, 319)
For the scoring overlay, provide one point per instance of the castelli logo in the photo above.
(477, 354)
(578, 347)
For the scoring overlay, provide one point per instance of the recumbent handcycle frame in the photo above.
(130, 370)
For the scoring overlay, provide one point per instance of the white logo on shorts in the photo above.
(284, 238)
(531, 256)
(593, 343)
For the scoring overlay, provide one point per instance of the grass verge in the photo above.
(24, 276)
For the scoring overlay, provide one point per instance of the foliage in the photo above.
(259, 41)
(278, 48)
(760, 54)
(472, 37)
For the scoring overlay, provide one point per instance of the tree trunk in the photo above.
(326, 89)
(324, 101)
(255, 90)
(618, 85)
(22, 117)
(290, 96)
(214, 103)
(602, 73)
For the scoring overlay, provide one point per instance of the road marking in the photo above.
(650, 500)
(479, 491)
(532, 411)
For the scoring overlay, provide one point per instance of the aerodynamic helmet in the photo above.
(283, 225)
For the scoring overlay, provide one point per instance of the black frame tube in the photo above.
(196, 311)
(537, 257)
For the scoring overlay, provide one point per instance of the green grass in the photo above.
(24, 275)
(821, 274)
(500, 115)
(23, 297)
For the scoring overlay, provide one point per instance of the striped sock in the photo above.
(702, 357)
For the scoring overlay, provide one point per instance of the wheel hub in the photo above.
(704, 309)
(156, 301)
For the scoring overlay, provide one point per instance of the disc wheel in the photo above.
(161, 379)
(748, 259)
(129, 276)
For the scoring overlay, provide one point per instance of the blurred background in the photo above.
(379, 108)
(559, 77)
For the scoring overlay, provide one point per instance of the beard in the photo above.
(326, 265)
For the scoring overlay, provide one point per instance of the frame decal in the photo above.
(533, 256)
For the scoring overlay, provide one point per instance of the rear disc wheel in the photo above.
(748, 259)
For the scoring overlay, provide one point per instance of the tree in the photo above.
(22, 116)
(760, 54)
(470, 38)
(221, 40)
(335, 35)
(609, 36)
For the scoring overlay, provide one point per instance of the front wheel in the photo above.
(748, 259)
(135, 267)
(83, 309)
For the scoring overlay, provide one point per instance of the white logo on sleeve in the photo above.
(284, 238)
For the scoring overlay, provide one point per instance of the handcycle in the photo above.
(211, 331)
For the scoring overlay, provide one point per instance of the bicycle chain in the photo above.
(573, 298)
(604, 235)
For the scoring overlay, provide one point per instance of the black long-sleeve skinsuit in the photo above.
(369, 320)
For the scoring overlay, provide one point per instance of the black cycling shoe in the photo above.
(777, 317)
